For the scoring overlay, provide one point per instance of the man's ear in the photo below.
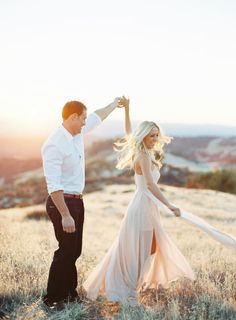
(73, 116)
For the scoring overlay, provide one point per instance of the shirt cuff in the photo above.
(55, 188)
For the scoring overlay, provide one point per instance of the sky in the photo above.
(175, 59)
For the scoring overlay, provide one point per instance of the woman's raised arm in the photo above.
(125, 103)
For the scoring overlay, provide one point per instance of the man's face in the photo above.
(79, 121)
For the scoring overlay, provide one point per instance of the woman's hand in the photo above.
(176, 210)
(123, 102)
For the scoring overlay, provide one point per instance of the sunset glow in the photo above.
(175, 60)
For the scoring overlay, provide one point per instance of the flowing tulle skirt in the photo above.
(129, 266)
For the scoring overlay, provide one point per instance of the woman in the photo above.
(142, 255)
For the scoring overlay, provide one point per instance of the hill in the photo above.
(27, 245)
(20, 146)
(185, 157)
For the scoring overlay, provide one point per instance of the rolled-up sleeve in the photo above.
(52, 167)
(93, 120)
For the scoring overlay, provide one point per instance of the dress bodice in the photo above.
(140, 181)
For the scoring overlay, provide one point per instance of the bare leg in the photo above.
(154, 244)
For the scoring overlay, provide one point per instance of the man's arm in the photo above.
(103, 113)
(67, 221)
(52, 162)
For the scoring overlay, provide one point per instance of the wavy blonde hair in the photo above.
(130, 145)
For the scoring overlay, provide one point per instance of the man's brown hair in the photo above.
(72, 107)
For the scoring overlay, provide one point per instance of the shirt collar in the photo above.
(66, 132)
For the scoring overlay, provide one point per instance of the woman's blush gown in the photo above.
(129, 266)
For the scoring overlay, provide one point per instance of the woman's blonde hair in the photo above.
(129, 146)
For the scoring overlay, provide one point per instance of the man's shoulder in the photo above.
(56, 139)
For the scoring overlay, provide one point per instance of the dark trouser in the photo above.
(62, 280)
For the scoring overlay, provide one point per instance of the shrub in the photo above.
(37, 215)
(221, 180)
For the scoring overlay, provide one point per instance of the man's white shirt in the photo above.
(63, 158)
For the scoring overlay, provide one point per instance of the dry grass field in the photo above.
(27, 245)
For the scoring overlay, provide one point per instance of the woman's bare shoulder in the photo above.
(140, 156)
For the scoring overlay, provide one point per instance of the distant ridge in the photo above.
(113, 128)
(23, 147)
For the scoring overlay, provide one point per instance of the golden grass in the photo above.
(27, 247)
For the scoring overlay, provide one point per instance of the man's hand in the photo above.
(176, 210)
(68, 224)
(116, 102)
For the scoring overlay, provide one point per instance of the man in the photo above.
(64, 170)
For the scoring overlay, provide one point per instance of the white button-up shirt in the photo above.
(63, 158)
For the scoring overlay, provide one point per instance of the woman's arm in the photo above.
(145, 166)
(125, 103)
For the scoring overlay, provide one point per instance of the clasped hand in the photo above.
(121, 102)
(176, 210)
